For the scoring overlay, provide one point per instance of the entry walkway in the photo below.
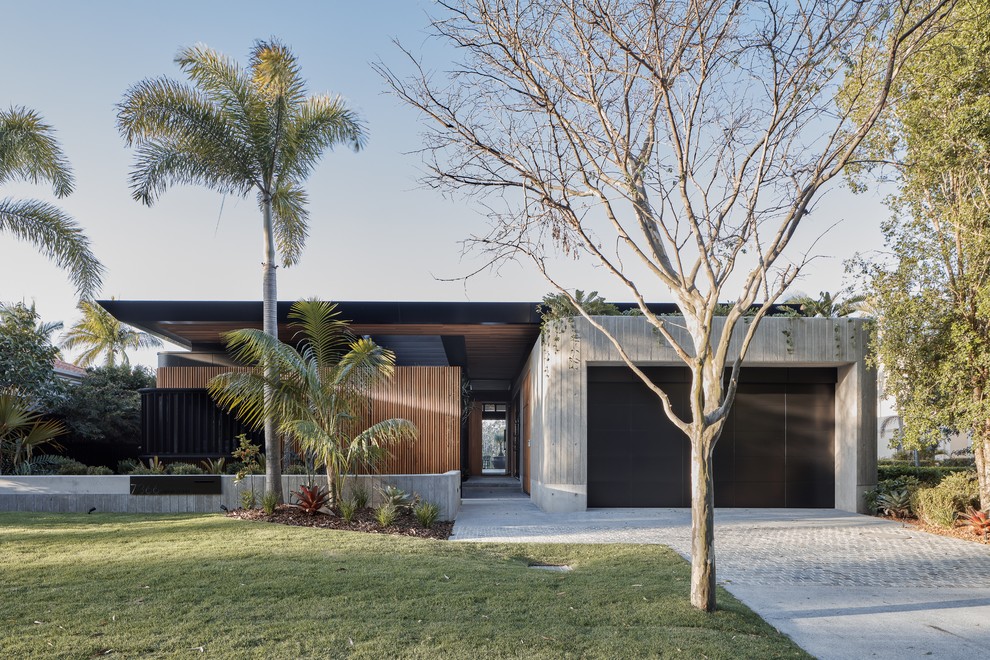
(841, 585)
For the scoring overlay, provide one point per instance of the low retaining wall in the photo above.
(68, 494)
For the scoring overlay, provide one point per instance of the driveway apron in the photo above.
(841, 585)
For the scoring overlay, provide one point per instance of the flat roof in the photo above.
(489, 340)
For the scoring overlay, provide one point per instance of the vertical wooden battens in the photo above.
(429, 397)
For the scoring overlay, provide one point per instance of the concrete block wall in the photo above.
(79, 494)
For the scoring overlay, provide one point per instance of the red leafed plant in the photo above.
(311, 498)
(977, 522)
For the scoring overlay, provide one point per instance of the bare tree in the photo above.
(678, 143)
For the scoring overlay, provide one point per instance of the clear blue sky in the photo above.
(376, 234)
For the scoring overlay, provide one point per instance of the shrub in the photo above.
(252, 461)
(296, 468)
(211, 466)
(896, 503)
(100, 470)
(184, 468)
(386, 514)
(127, 465)
(360, 495)
(348, 508)
(959, 461)
(49, 464)
(269, 502)
(929, 476)
(398, 498)
(154, 466)
(955, 494)
(888, 486)
(426, 513)
(70, 466)
(311, 498)
(248, 500)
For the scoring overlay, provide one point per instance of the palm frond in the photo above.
(290, 221)
(160, 164)
(319, 328)
(321, 123)
(57, 236)
(387, 432)
(181, 130)
(99, 333)
(219, 76)
(275, 73)
(29, 151)
(365, 365)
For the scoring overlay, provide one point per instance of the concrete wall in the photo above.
(559, 367)
(66, 494)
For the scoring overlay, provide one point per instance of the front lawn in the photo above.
(84, 586)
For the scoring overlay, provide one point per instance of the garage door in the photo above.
(777, 448)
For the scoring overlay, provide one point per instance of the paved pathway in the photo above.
(841, 585)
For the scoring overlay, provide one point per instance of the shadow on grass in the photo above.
(161, 585)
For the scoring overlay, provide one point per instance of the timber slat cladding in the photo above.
(429, 397)
(169, 377)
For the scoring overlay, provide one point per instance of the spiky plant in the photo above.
(317, 390)
(99, 333)
(976, 521)
(238, 131)
(310, 499)
(22, 431)
(896, 503)
(29, 152)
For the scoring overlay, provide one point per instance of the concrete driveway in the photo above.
(841, 585)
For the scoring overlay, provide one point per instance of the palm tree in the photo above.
(29, 152)
(99, 333)
(22, 431)
(827, 305)
(317, 392)
(236, 131)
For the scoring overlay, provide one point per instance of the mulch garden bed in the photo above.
(363, 521)
(960, 533)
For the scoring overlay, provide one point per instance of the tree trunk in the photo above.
(981, 452)
(331, 486)
(702, 524)
(273, 453)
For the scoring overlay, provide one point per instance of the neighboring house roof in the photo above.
(68, 371)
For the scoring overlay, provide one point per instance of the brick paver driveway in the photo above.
(841, 585)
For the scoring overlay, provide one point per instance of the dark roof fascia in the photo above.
(136, 312)
(148, 315)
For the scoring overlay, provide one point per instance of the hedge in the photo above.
(930, 476)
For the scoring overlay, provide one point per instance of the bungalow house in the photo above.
(561, 413)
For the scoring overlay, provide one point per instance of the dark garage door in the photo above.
(776, 450)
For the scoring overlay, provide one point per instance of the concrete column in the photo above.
(855, 435)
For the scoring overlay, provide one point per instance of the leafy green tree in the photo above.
(29, 152)
(932, 297)
(239, 130)
(99, 333)
(27, 354)
(105, 407)
(319, 390)
(826, 305)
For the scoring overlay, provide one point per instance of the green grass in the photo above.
(82, 586)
